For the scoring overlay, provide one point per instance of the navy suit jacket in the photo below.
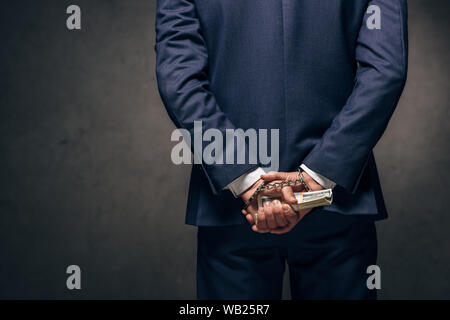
(310, 68)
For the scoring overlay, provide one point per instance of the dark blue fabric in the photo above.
(288, 65)
(327, 255)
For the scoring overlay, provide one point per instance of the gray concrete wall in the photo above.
(86, 176)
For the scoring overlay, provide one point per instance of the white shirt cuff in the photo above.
(241, 184)
(324, 182)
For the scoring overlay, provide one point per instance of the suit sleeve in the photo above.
(342, 153)
(183, 82)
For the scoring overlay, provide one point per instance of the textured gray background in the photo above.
(86, 176)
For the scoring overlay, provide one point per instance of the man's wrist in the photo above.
(318, 178)
(312, 184)
(245, 182)
(247, 194)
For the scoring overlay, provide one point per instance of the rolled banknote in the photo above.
(305, 200)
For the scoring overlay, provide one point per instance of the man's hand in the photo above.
(276, 217)
(264, 221)
(252, 209)
(290, 176)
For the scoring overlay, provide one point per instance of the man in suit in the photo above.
(318, 71)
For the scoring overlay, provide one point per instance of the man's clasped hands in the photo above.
(276, 217)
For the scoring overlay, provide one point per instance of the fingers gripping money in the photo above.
(305, 200)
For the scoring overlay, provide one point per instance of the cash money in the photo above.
(305, 200)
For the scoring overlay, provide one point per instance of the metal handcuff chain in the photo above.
(289, 183)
